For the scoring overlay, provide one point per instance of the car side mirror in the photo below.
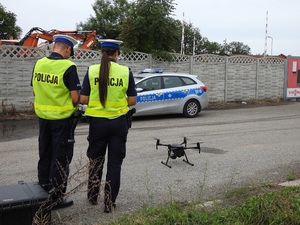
(139, 90)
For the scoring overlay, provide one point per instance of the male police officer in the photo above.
(56, 88)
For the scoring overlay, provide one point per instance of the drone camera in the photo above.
(176, 151)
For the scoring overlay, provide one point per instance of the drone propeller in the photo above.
(184, 141)
(198, 146)
(157, 143)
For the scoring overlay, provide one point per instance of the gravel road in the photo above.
(240, 146)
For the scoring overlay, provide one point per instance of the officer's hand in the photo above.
(79, 112)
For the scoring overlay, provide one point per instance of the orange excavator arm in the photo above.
(32, 38)
(88, 38)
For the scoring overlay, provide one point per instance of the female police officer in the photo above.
(108, 90)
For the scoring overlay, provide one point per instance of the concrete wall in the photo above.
(232, 78)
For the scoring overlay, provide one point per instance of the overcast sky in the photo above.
(218, 20)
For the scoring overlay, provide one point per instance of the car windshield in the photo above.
(136, 79)
(149, 84)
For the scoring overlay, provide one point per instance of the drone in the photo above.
(178, 150)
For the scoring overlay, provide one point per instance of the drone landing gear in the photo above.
(166, 163)
(186, 160)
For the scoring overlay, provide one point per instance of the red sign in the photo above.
(293, 77)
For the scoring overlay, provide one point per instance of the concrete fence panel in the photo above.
(232, 78)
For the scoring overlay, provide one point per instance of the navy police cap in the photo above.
(65, 39)
(111, 43)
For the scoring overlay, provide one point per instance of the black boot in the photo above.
(62, 203)
(59, 201)
(109, 207)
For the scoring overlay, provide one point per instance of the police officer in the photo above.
(56, 88)
(108, 90)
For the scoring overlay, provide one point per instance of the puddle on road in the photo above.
(16, 130)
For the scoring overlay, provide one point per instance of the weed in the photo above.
(148, 188)
(201, 184)
(170, 193)
(75, 183)
(229, 185)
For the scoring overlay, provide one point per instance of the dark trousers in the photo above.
(110, 134)
(55, 154)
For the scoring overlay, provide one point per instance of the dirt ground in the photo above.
(237, 196)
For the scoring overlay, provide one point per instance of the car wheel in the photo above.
(191, 109)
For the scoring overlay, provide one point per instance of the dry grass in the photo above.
(18, 116)
(247, 104)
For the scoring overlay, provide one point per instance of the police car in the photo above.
(160, 93)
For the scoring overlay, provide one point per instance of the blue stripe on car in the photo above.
(171, 95)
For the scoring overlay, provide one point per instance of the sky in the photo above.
(271, 26)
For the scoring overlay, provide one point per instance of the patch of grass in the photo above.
(266, 184)
(240, 193)
(275, 207)
(291, 176)
(280, 206)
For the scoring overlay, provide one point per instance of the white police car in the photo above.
(169, 93)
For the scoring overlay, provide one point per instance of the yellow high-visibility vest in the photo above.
(116, 102)
(52, 99)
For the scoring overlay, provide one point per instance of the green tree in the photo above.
(194, 43)
(108, 19)
(235, 47)
(8, 27)
(149, 28)
(211, 47)
(146, 26)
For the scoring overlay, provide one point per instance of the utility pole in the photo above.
(194, 43)
(266, 36)
(182, 37)
(271, 44)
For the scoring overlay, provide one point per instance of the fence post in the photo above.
(150, 60)
(191, 71)
(257, 76)
(226, 78)
(285, 78)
